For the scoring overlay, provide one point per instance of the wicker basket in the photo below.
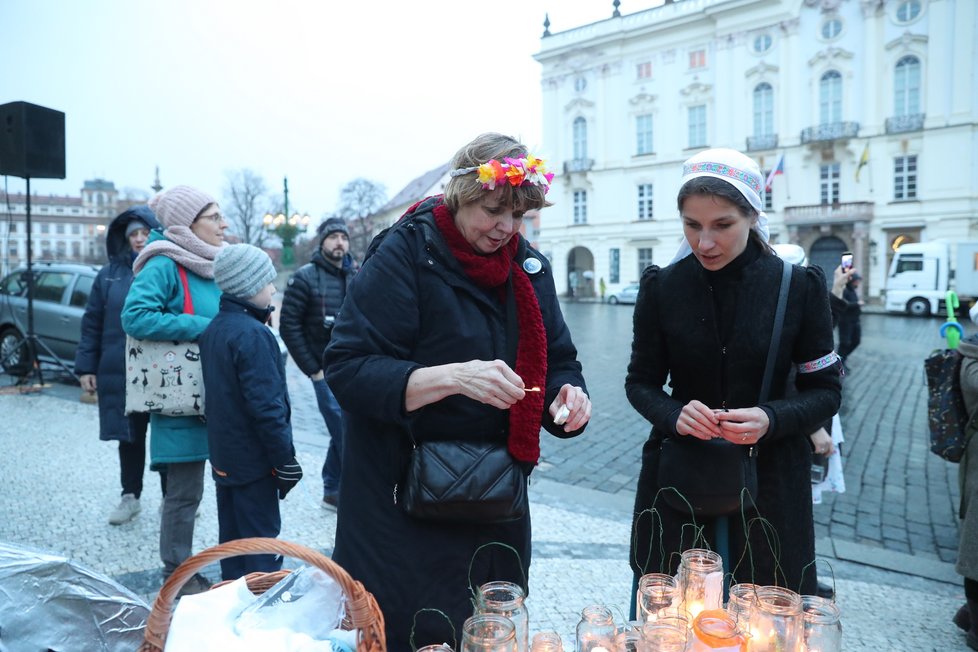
(362, 612)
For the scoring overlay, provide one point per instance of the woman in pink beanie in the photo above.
(154, 310)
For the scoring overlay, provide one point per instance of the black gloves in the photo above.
(287, 476)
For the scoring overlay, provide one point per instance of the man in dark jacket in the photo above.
(101, 355)
(249, 432)
(312, 300)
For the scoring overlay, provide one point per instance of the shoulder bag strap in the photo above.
(188, 301)
(772, 352)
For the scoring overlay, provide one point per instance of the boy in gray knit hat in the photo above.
(248, 416)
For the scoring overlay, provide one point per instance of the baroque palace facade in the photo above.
(63, 229)
(868, 104)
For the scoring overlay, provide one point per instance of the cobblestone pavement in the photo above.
(890, 539)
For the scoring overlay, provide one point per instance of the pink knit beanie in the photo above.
(179, 205)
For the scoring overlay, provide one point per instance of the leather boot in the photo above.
(972, 638)
(963, 618)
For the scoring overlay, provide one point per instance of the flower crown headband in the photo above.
(514, 171)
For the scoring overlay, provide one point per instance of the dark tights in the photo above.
(132, 457)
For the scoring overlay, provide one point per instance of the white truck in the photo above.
(922, 272)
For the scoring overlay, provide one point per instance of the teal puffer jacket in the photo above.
(154, 311)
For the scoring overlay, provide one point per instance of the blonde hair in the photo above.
(465, 188)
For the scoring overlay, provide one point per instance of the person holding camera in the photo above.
(850, 331)
(312, 300)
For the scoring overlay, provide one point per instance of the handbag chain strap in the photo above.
(772, 352)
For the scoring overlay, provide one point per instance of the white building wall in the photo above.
(871, 41)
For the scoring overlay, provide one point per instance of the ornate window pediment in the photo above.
(760, 70)
(825, 5)
(578, 104)
(907, 41)
(642, 99)
(828, 55)
(696, 90)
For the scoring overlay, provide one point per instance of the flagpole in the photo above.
(787, 186)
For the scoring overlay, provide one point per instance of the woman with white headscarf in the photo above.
(704, 324)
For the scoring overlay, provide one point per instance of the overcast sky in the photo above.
(323, 91)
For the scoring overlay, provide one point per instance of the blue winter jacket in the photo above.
(248, 410)
(101, 350)
(154, 311)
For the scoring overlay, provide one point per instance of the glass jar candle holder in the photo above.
(506, 599)
(546, 642)
(700, 580)
(741, 603)
(596, 631)
(776, 623)
(715, 630)
(631, 640)
(488, 633)
(823, 625)
(656, 591)
(663, 636)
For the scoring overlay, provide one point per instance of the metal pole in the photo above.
(30, 339)
(285, 184)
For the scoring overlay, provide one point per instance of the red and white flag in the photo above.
(778, 169)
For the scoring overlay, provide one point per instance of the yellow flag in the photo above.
(863, 160)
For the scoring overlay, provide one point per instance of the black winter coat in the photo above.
(249, 427)
(715, 351)
(412, 306)
(102, 348)
(314, 292)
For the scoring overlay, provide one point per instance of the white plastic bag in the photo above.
(302, 613)
(834, 478)
(306, 600)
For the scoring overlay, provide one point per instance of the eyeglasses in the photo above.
(213, 217)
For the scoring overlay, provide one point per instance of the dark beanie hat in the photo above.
(332, 225)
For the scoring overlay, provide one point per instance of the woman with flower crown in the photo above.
(451, 330)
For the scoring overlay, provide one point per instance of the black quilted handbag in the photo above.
(464, 482)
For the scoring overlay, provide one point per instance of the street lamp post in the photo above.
(285, 227)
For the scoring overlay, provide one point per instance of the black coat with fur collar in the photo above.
(708, 333)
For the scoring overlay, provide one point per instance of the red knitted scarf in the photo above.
(531, 352)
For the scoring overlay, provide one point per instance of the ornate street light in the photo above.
(285, 227)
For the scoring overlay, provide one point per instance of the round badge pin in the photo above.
(532, 265)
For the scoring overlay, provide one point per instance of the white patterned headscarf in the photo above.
(737, 169)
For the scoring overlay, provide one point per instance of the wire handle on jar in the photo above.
(524, 585)
(414, 625)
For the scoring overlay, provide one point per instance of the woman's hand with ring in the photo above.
(743, 425)
(822, 442)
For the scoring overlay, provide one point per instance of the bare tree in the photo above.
(359, 201)
(245, 201)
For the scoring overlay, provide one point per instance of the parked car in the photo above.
(627, 294)
(60, 295)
